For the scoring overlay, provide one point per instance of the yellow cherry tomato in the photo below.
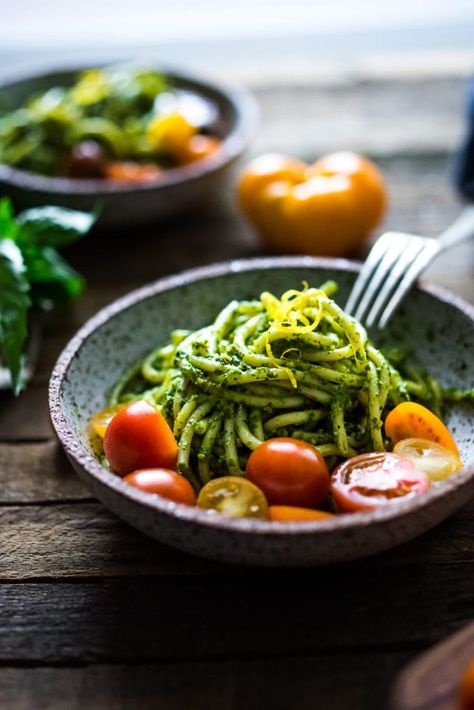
(328, 208)
(435, 460)
(234, 497)
(170, 132)
(102, 419)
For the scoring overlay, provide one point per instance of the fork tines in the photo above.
(393, 264)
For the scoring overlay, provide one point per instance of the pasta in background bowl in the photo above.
(131, 327)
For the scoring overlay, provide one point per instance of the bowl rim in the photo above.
(241, 101)
(86, 461)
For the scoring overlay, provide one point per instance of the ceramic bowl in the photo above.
(436, 327)
(123, 204)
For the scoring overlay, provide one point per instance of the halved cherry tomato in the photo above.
(290, 513)
(197, 148)
(102, 419)
(466, 688)
(163, 482)
(139, 437)
(435, 460)
(234, 497)
(289, 472)
(371, 480)
(411, 420)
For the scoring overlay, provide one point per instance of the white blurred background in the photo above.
(248, 38)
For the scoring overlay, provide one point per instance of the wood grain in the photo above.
(253, 615)
(85, 540)
(338, 682)
(37, 473)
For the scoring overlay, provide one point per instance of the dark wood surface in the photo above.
(95, 615)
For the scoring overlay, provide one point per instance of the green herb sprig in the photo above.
(33, 273)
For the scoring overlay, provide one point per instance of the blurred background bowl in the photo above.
(124, 204)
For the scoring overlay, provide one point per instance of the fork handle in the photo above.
(461, 230)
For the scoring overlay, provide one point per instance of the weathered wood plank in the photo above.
(258, 614)
(86, 540)
(338, 682)
(37, 473)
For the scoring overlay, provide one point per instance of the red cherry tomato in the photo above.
(368, 481)
(163, 482)
(289, 472)
(139, 437)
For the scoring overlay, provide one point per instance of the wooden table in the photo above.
(95, 615)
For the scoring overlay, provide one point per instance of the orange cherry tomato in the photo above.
(289, 472)
(466, 688)
(132, 172)
(163, 482)
(290, 513)
(197, 148)
(412, 420)
(371, 480)
(328, 208)
(139, 437)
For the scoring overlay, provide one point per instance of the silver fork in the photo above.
(392, 266)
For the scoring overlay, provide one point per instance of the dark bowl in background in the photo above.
(125, 204)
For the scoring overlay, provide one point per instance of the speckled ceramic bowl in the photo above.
(125, 204)
(438, 328)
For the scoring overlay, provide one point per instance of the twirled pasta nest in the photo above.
(296, 366)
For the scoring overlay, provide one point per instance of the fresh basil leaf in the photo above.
(14, 305)
(8, 225)
(53, 226)
(53, 281)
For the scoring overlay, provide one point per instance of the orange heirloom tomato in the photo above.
(163, 482)
(328, 208)
(139, 437)
(412, 420)
(290, 513)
